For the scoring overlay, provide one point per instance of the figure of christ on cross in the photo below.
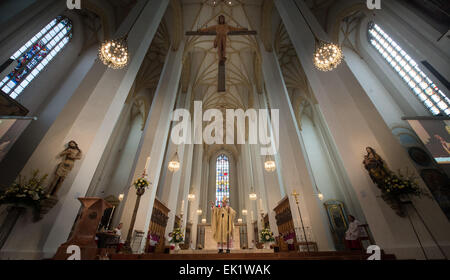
(221, 31)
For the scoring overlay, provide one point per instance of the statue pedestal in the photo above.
(85, 229)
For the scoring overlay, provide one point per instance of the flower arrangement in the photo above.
(266, 236)
(154, 239)
(26, 192)
(176, 236)
(141, 183)
(398, 185)
(289, 238)
(396, 188)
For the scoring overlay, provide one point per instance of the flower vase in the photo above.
(266, 246)
(177, 247)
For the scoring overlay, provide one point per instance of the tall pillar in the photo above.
(153, 143)
(292, 164)
(177, 189)
(196, 186)
(354, 123)
(272, 189)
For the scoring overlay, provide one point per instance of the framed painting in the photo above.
(338, 221)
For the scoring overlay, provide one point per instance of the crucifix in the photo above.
(221, 31)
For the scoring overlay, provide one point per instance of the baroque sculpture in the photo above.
(71, 154)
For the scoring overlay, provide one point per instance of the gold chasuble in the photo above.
(223, 223)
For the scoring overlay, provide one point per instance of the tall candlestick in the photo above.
(182, 206)
(261, 205)
(147, 164)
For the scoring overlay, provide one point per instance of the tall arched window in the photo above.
(222, 179)
(32, 57)
(418, 82)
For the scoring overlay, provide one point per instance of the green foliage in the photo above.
(266, 236)
(25, 191)
(177, 236)
(141, 183)
(398, 185)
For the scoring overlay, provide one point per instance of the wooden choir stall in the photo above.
(287, 241)
(155, 240)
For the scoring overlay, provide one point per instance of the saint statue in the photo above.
(69, 155)
(222, 31)
(376, 166)
(223, 225)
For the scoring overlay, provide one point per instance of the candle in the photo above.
(261, 205)
(147, 164)
(182, 206)
(251, 215)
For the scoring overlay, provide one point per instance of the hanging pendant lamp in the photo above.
(327, 55)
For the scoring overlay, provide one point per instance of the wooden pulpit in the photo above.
(85, 229)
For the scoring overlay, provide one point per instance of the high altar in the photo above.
(205, 238)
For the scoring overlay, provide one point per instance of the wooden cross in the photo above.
(221, 31)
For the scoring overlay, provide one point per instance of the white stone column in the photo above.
(154, 142)
(355, 123)
(196, 189)
(292, 163)
(272, 192)
(177, 191)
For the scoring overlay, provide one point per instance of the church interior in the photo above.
(116, 141)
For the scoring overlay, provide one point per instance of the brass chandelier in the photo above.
(327, 55)
(114, 53)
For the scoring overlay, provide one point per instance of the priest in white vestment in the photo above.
(222, 224)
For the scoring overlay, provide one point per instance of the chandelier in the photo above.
(252, 195)
(114, 53)
(244, 212)
(174, 164)
(327, 55)
(270, 165)
(199, 212)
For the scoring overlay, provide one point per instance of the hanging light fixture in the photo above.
(199, 212)
(319, 193)
(327, 55)
(320, 196)
(244, 212)
(114, 53)
(191, 197)
(174, 164)
(252, 195)
(270, 164)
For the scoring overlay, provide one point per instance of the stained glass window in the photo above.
(32, 57)
(222, 179)
(418, 82)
